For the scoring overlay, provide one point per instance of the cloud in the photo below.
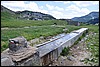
(72, 8)
(63, 14)
(76, 11)
(96, 2)
(20, 5)
(13, 4)
(85, 11)
(85, 3)
(41, 7)
(96, 10)
(59, 8)
(65, 2)
(58, 1)
(50, 7)
(23, 5)
(56, 14)
(32, 6)
(43, 11)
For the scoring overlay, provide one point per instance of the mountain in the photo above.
(87, 17)
(7, 14)
(4, 9)
(93, 21)
(27, 15)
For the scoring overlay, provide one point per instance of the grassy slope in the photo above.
(22, 23)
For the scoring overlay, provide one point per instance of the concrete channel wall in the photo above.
(52, 50)
(41, 55)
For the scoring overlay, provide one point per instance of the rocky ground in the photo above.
(76, 56)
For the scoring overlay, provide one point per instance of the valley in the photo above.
(34, 25)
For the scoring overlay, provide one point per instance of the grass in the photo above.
(6, 16)
(92, 28)
(30, 33)
(15, 23)
(65, 51)
(35, 32)
(92, 43)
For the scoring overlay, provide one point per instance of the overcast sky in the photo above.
(58, 9)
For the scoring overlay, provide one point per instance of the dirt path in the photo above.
(75, 57)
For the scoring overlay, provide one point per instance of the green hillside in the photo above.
(7, 16)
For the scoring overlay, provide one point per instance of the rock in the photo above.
(50, 65)
(85, 38)
(26, 27)
(74, 55)
(77, 47)
(6, 60)
(82, 60)
(23, 54)
(34, 40)
(91, 44)
(95, 33)
(17, 43)
(65, 29)
(41, 38)
(71, 49)
(86, 48)
(63, 57)
(82, 40)
(87, 35)
(70, 58)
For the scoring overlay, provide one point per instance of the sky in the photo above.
(58, 9)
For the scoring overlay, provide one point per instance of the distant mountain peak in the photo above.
(87, 17)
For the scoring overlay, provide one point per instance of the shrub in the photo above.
(65, 51)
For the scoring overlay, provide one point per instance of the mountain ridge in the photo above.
(86, 18)
(28, 15)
